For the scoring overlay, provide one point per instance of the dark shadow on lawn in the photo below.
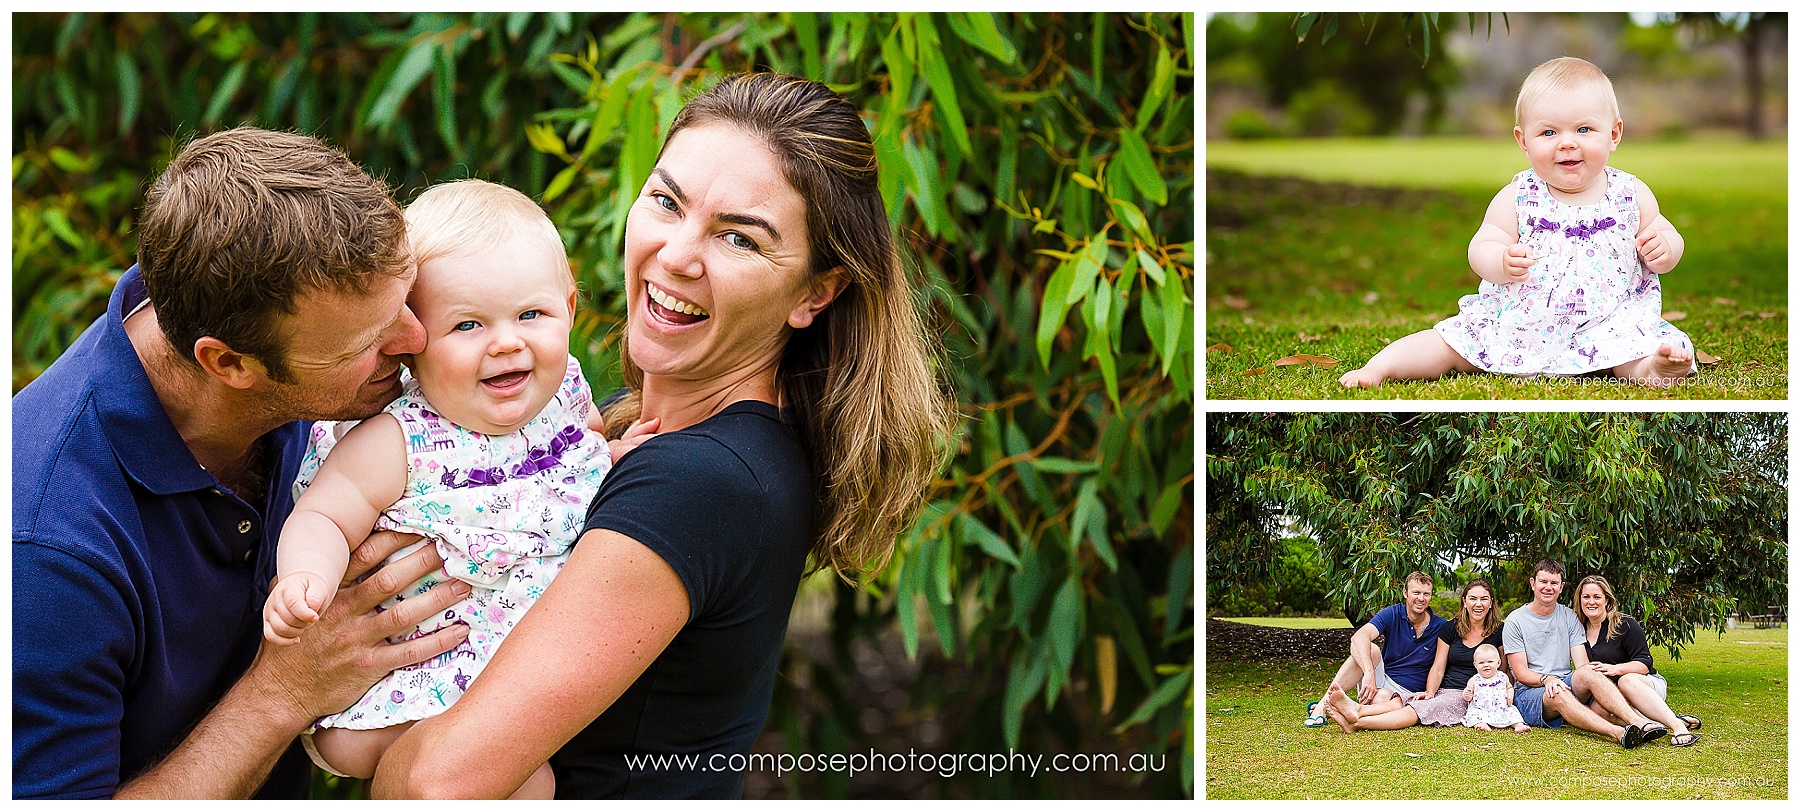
(1242, 642)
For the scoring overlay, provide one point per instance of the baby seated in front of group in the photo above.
(486, 454)
(1490, 695)
(1568, 253)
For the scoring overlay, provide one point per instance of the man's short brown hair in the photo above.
(1419, 578)
(1547, 565)
(245, 220)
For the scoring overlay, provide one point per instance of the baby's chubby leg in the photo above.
(1661, 369)
(356, 752)
(1422, 356)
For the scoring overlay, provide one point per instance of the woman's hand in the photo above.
(1607, 669)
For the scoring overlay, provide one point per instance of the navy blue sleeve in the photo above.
(1383, 621)
(67, 686)
(689, 499)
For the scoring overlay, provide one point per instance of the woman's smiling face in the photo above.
(717, 259)
(1478, 602)
(1593, 601)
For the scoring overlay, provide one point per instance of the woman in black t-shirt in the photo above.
(772, 333)
(1617, 648)
(1441, 703)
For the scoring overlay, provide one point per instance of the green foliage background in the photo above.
(1040, 168)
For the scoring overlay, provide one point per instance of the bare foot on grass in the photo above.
(1521, 728)
(1668, 365)
(1483, 727)
(1337, 715)
(1361, 378)
(1345, 706)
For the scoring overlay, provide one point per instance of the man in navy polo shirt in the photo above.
(152, 466)
(1398, 667)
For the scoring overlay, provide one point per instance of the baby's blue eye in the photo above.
(1586, 129)
(1548, 132)
(530, 314)
(465, 326)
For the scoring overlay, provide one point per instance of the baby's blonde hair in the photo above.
(1489, 648)
(1561, 75)
(471, 215)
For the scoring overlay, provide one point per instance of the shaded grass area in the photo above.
(1325, 267)
(1257, 748)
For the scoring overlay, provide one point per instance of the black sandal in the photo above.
(1653, 733)
(1692, 722)
(1684, 740)
(1633, 737)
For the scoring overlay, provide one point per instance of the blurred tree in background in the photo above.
(1433, 73)
(1684, 513)
(1039, 167)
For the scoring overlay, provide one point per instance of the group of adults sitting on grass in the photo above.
(1592, 669)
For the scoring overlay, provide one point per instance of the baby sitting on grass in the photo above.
(1490, 695)
(1569, 254)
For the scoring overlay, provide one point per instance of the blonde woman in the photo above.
(1618, 650)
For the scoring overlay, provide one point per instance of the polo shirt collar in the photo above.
(143, 437)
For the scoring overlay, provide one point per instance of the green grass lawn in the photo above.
(1257, 748)
(1336, 247)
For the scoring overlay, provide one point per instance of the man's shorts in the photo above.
(1530, 702)
(1386, 683)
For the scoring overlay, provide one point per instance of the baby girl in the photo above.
(1490, 695)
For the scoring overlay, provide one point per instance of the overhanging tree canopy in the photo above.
(1685, 514)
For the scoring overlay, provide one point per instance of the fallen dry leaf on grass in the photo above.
(1371, 297)
(1256, 371)
(1720, 300)
(1766, 316)
(1320, 361)
(1675, 315)
(1219, 347)
(1237, 302)
(1702, 357)
(1306, 339)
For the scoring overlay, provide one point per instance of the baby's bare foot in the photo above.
(1521, 728)
(1483, 727)
(1362, 378)
(1670, 364)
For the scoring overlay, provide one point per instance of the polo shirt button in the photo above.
(243, 527)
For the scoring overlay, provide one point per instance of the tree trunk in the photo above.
(1753, 75)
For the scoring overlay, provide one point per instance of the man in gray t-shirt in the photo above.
(1545, 648)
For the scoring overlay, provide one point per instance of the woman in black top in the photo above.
(1616, 647)
(772, 333)
(1476, 623)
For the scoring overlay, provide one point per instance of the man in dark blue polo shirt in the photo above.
(151, 473)
(1396, 669)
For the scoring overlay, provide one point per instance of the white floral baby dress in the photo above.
(1589, 303)
(1490, 706)
(503, 510)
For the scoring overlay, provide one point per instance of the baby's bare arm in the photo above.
(361, 477)
(1495, 253)
(1660, 245)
